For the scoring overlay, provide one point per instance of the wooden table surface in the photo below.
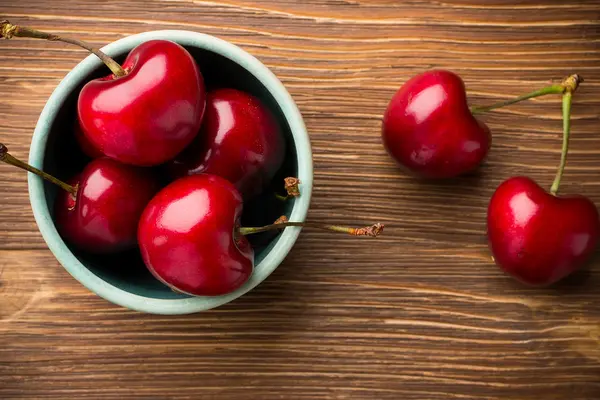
(419, 313)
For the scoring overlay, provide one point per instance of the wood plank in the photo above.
(314, 331)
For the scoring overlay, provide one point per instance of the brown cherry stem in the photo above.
(570, 83)
(372, 231)
(290, 184)
(6, 157)
(8, 31)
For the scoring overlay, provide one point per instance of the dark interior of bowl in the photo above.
(126, 270)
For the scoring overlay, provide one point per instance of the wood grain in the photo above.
(420, 313)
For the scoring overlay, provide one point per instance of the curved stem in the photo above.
(554, 89)
(570, 83)
(280, 197)
(372, 231)
(8, 30)
(566, 111)
(9, 159)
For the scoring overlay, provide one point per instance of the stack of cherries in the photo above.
(218, 149)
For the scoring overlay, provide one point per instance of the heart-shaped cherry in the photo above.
(191, 240)
(537, 237)
(152, 113)
(240, 140)
(147, 111)
(103, 216)
(98, 211)
(429, 129)
(540, 237)
(187, 237)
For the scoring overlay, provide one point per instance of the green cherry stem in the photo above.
(281, 198)
(372, 231)
(566, 112)
(8, 31)
(559, 88)
(6, 157)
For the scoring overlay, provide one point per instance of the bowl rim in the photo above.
(122, 297)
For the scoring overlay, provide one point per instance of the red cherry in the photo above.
(99, 209)
(240, 140)
(103, 215)
(540, 237)
(150, 114)
(188, 237)
(429, 129)
(84, 144)
(148, 110)
(537, 237)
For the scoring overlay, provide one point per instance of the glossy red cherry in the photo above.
(537, 237)
(102, 217)
(98, 210)
(144, 113)
(190, 236)
(187, 237)
(240, 140)
(540, 237)
(152, 113)
(429, 129)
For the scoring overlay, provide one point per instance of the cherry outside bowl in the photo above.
(123, 279)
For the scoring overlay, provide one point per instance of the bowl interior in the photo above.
(126, 271)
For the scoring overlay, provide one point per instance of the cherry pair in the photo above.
(535, 236)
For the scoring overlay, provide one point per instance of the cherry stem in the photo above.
(566, 111)
(8, 31)
(9, 159)
(372, 231)
(281, 198)
(570, 83)
(291, 187)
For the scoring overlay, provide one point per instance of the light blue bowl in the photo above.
(112, 278)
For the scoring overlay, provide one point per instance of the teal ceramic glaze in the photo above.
(111, 278)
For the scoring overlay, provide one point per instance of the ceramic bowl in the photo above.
(123, 279)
